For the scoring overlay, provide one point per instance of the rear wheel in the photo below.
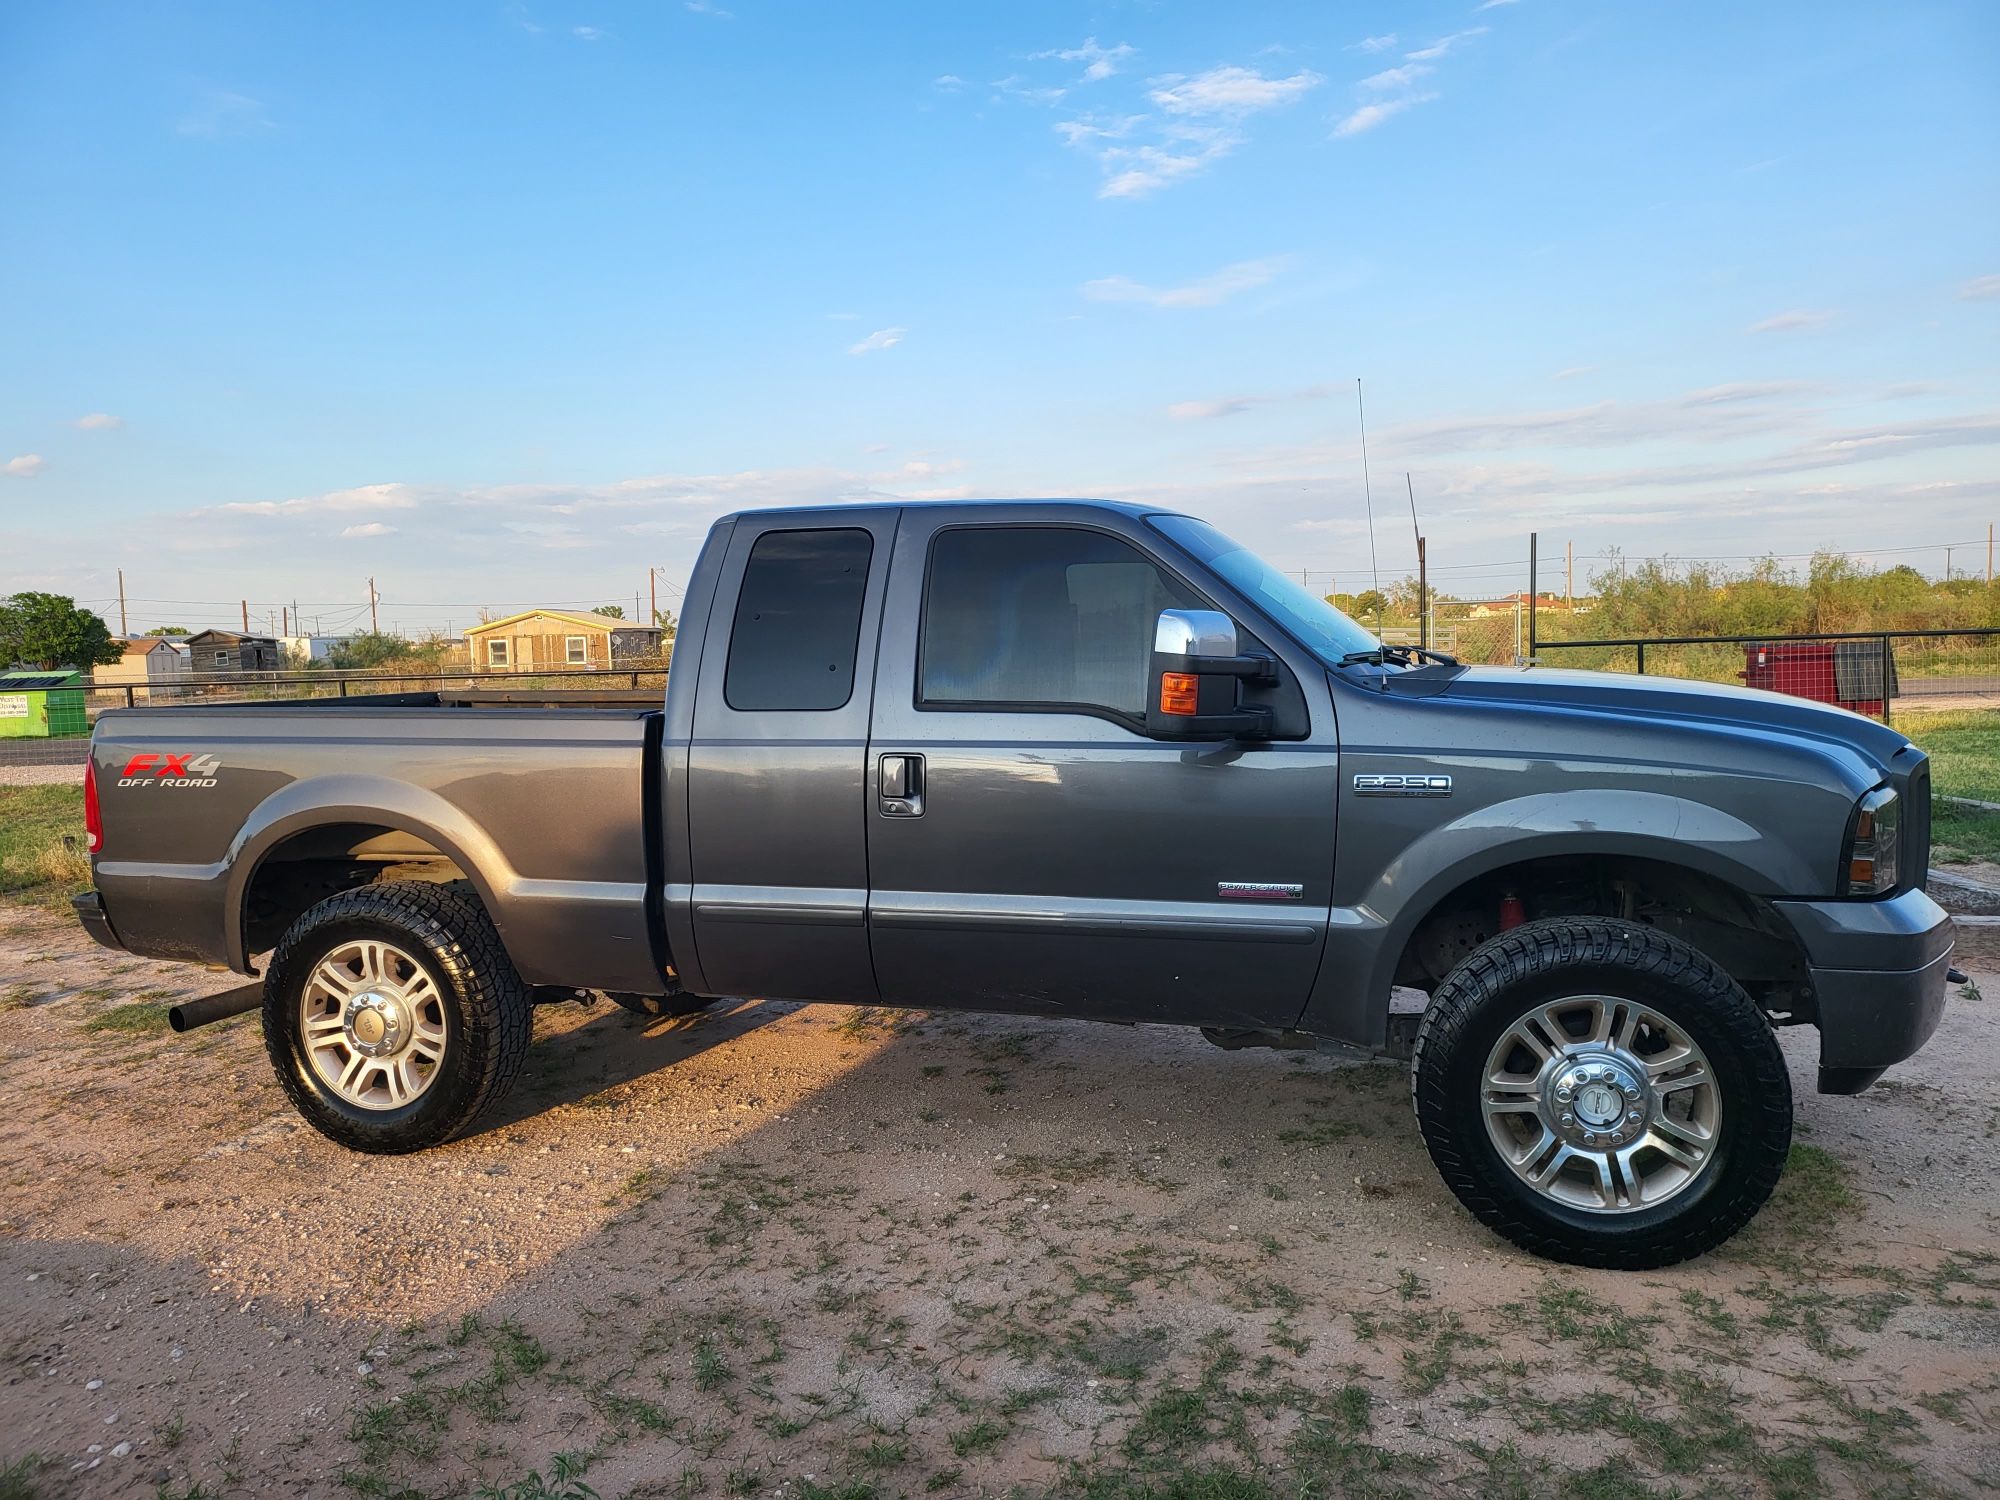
(1601, 1093)
(393, 1016)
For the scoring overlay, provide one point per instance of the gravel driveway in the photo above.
(816, 1251)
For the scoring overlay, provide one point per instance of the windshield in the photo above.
(1314, 623)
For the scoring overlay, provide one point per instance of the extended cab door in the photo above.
(1029, 847)
(777, 759)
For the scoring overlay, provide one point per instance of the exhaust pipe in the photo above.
(216, 1007)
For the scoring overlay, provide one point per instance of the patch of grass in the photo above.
(17, 1478)
(140, 1016)
(565, 1482)
(42, 852)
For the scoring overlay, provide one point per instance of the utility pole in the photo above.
(1947, 565)
(1569, 575)
(653, 595)
(246, 616)
(123, 628)
(1989, 554)
(284, 620)
(1423, 575)
(374, 625)
(1533, 538)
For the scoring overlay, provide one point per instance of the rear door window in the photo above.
(798, 621)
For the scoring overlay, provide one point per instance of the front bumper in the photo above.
(89, 908)
(1878, 976)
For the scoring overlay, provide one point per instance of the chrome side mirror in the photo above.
(1193, 684)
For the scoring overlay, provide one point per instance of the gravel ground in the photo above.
(806, 1250)
(14, 774)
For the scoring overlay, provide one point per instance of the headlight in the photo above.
(1868, 868)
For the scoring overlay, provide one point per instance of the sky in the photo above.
(503, 303)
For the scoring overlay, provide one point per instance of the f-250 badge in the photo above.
(1426, 785)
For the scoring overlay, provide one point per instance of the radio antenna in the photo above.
(1368, 498)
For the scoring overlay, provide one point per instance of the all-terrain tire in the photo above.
(1568, 956)
(484, 1006)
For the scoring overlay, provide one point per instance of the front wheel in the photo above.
(1600, 1093)
(393, 1016)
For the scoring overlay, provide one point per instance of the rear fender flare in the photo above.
(320, 801)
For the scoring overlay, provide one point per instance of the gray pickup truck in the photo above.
(1084, 760)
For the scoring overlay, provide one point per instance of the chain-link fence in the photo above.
(46, 717)
(1879, 673)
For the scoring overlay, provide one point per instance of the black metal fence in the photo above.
(1876, 672)
(45, 733)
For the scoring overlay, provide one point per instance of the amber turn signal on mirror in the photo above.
(1179, 692)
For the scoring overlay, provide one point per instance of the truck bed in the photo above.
(548, 806)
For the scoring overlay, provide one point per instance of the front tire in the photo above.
(393, 1016)
(1600, 1093)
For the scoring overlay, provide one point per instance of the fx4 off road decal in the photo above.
(161, 768)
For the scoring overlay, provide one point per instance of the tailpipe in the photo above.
(216, 1007)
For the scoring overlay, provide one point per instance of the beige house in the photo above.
(554, 640)
(148, 661)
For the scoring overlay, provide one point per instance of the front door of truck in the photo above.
(1029, 847)
(777, 836)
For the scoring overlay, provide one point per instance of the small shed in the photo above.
(41, 705)
(218, 651)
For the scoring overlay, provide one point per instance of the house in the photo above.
(1508, 603)
(305, 648)
(219, 651)
(148, 661)
(544, 640)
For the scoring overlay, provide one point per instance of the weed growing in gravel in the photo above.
(138, 1017)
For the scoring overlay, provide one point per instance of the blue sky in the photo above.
(502, 303)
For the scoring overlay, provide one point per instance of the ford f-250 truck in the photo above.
(1084, 760)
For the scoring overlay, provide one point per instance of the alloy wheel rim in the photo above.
(1602, 1103)
(372, 1025)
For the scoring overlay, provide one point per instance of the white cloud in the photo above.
(1014, 86)
(1570, 372)
(1209, 291)
(881, 338)
(1492, 5)
(947, 83)
(708, 8)
(1139, 170)
(27, 466)
(1220, 406)
(1229, 91)
(1443, 45)
(1100, 62)
(1097, 127)
(368, 528)
(221, 113)
(587, 33)
(1795, 321)
(1377, 43)
(361, 497)
(1395, 78)
(100, 421)
(1368, 116)
(1980, 289)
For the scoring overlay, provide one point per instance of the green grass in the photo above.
(1965, 762)
(34, 862)
(137, 1017)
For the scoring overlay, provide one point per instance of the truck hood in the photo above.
(1693, 705)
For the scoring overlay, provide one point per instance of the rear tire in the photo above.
(1601, 1093)
(393, 1016)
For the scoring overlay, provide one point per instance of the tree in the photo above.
(613, 611)
(169, 630)
(664, 619)
(1369, 603)
(50, 632)
(368, 650)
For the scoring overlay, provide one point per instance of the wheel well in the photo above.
(306, 867)
(1739, 931)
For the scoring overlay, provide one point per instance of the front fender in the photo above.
(1367, 938)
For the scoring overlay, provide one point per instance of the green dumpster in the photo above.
(41, 705)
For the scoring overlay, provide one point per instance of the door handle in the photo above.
(900, 785)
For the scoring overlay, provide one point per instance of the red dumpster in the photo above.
(1848, 673)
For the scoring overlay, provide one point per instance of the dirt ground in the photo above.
(804, 1250)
